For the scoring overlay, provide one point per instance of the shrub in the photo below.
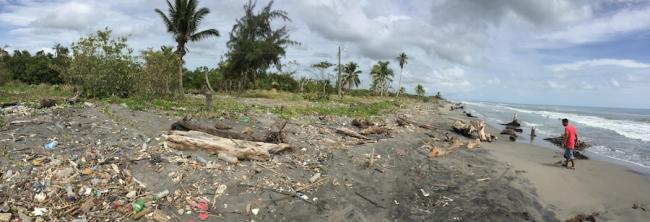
(102, 66)
(159, 74)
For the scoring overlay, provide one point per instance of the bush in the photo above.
(158, 76)
(102, 66)
(5, 75)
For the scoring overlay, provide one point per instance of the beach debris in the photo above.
(47, 103)
(584, 217)
(558, 141)
(512, 128)
(424, 193)
(241, 149)
(186, 125)
(371, 201)
(472, 127)
(351, 133)
(51, 145)
(5, 217)
(222, 126)
(402, 120)
(315, 177)
(456, 106)
(375, 130)
(362, 123)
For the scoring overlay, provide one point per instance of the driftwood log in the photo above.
(4, 105)
(351, 133)
(186, 125)
(473, 127)
(228, 148)
(455, 144)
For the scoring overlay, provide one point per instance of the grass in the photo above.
(283, 104)
(33, 94)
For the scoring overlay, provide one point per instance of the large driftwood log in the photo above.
(351, 133)
(474, 126)
(241, 149)
(186, 125)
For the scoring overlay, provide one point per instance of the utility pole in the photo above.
(338, 79)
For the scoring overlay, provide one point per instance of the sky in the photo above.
(560, 52)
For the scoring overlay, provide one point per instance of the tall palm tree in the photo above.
(382, 75)
(182, 21)
(419, 90)
(402, 59)
(351, 75)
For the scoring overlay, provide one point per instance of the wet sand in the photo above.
(594, 186)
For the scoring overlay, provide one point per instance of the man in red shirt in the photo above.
(569, 143)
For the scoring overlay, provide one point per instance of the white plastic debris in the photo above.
(255, 211)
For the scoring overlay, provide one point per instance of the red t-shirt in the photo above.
(570, 132)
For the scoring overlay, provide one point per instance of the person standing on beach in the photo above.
(569, 143)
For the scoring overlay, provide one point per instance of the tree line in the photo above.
(102, 65)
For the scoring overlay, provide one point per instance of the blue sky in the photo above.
(565, 52)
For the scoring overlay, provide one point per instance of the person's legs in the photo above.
(573, 163)
(566, 157)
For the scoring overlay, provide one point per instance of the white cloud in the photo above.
(494, 81)
(603, 28)
(450, 79)
(556, 85)
(586, 85)
(614, 83)
(580, 65)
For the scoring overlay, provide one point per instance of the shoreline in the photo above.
(596, 186)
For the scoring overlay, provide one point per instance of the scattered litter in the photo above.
(51, 145)
(39, 211)
(255, 211)
(314, 178)
(424, 193)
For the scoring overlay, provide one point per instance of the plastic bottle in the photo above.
(161, 195)
(138, 205)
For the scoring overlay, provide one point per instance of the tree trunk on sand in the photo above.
(180, 74)
(400, 82)
(207, 82)
(242, 150)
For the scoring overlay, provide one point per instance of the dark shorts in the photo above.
(568, 153)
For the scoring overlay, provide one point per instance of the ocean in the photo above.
(620, 135)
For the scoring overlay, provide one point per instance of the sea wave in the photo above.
(627, 128)
(618, 155)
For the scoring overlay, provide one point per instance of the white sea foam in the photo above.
(627, 128)
(617, 155)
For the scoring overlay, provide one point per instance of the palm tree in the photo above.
(419, 90)
(182, 21)
(381, 75)
(351, 75)
(402, 59)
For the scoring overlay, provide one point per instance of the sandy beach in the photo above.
(594, 186)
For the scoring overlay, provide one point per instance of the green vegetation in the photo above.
(255, 45)
(419, 90)
(350, 76)
(102, 66)
(382, 76)
(182, 22)
(104, 69)
(158, 74)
